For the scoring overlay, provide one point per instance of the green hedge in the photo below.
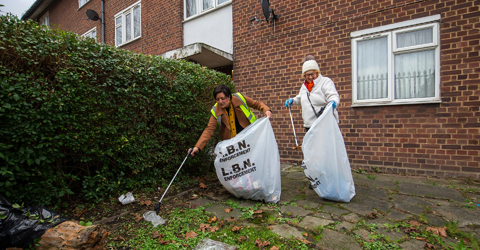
(85, 119)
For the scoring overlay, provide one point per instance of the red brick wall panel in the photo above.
(427, 139)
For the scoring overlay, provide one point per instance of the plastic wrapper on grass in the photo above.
(208, 244)
(151, 216)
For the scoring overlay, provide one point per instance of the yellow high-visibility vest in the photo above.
(246, 110)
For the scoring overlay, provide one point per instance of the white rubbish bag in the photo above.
(326, 162)
(248, 165)
(126, 198)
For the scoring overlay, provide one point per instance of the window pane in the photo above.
(94, 35)
(415, 75)
(118, 20)
(207, 4)
(128, 27)
(136, 22)
(118, 35)
(416, 37)
(222, 1)
(372, 69)
(191, 7)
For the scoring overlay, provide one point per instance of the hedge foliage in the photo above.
(85, 119)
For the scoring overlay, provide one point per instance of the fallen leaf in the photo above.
(190, 234)
(156, 234)
(410, 229)
(213, 229)
(203, 227)
(274, 248)
(442, 231)
(138, 217)
(258, 212)
(270, 227)
(241, 238)
(372, 215)
(429, 246)
(202, 185)
(80, 212)
(146, 202)
(259, 216)
(265, 243)
(228, 210)
(211, 220)
(419, 238)
(258, 242)
(303, 240)
(236, 229)
(305, 234)
(414, 223)
(163, 242)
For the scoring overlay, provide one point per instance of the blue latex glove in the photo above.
(288, 102)
(334, 105)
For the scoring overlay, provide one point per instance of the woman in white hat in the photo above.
(316, 92)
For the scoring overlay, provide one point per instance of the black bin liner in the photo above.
(20, 230)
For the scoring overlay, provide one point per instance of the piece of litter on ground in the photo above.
(208, 244)
(126, 198)
(154, 218)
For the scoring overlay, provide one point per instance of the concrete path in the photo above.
(387, 209)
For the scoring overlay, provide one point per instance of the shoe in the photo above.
(310, 186)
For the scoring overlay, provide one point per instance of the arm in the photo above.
(330, 91)
(207, 134)
(258, 105)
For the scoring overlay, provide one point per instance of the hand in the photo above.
(288, 102)
(268, 114)
(194, 151)
(334, 105)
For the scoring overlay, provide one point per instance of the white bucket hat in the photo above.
(310, 65)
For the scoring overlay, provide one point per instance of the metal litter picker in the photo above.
(153, 215)
(291, 118)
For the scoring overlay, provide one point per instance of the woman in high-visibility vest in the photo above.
(232, 112)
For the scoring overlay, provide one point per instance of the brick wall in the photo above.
(162, 28)
(427, 139)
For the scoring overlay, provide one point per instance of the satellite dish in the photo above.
(92, 15)
(266, 10)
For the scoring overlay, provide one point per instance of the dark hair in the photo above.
(222, 88)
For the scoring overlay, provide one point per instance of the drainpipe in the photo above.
(103, 21)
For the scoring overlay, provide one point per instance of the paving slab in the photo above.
(248, 203)
(312, 222)
(201, 202)
(463, 216)
(413, 245)
(219, 211)
(352, 217)
(395, 215)
(307, 204)
(431, 191)
(287, 231)
(362, 233)
(394, 236)
(338, 241)
(295, 210)
(345, 226)
(359, 208)
(337, 211)
(436, 220)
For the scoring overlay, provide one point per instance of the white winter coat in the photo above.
(322, 93)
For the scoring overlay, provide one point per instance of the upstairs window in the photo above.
(397, 64)
(82, 2)
(44, 20)
(91, 34)
(196, 7)
(128, 25)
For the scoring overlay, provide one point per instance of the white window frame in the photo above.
(200, 10)
(88, 34)
(391, 31)
(82, 3)
(44, 20)
(122, 14)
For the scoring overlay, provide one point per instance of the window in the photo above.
(82, 2)
(91, 34)
(196, 7)
(128, 25)
(44, 20)
(397, 63)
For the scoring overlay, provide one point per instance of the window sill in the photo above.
(83, 5)
(372, 104)
(207, 12)
(123, 44)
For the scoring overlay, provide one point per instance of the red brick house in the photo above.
(407, 71)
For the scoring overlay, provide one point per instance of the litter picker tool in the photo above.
(293, 126)
(157, 207)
